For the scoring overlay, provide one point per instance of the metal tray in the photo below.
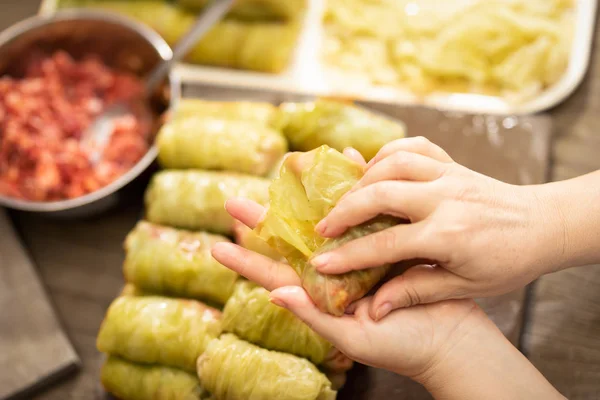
(306, 75)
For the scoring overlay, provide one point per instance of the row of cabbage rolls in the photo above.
(258, 35)
(186, 327)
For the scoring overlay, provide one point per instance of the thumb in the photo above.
(296, 300)
(355, 156)
(422, 284)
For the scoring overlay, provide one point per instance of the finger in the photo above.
(403, 166)
(419, 145)
(401, 242)
(413, 201)
(418, 285)
(268, 273)
(354, 155)
(296, 300)
(246, 211)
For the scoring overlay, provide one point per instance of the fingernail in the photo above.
(321, 261)
(321, 227)
(278, 302)
(219, 248)
(383, 310)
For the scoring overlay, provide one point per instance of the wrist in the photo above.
(479, 362)
(548, 243)
(457, 352)
(573, 211)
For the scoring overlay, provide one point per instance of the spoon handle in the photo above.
(206, 20)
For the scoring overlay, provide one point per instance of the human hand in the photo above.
(486, 237)
(450, 347)
(407, 342)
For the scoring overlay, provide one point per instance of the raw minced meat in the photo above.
(43, 116)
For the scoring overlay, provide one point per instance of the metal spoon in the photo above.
(98, 134)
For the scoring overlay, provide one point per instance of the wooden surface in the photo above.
(562, 336)
(33, 346)
(80, 265)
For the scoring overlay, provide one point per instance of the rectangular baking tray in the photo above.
(307, 75)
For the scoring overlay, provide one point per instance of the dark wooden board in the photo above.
(34, 350)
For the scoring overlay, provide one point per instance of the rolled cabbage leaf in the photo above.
(263, 47)
(169, 21)
(158, 330)
(131, 290)
(248, 239)
(195, 199)
(337, 124)
(308, 187)
(233, 369)
(220, 144)
(260, 112)
(130, 381)
(252, 317)
(176, 263)
(256, 9)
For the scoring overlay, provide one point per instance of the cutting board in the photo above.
(34, 350)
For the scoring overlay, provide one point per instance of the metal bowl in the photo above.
(122, 44)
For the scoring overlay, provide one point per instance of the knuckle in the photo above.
(409, 293)
(270, 281)
(422, 142)
(387, 240)
(385, 195)
(380, 193)
(400, 159)
(463, 192)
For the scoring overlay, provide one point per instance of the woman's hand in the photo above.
(485, 236)
(408, 342)
(451, 347)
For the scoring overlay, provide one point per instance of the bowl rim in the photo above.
(164, 52)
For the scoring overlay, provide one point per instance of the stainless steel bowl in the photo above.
(121, 43)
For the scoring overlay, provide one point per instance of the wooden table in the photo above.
(562, 334)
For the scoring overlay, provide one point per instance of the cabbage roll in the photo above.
(260, 112)
(196, 199)
(308, 187)
(232, 369)
(169, 21)
(131, 290)
(251, 316)
(176, 263)
(256, 9)
(274, 173)
(208, 143)
(158, 330)
(338, 125)
(248, 239)
(263, 47)
(130, 381)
